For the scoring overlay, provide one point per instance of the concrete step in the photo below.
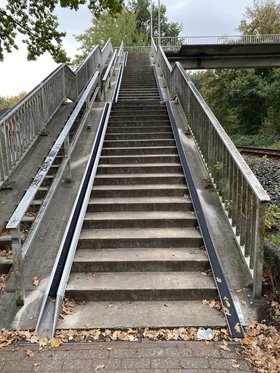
(153, 108)
(140, 168)
(139, 136)
(140, 204)
(139, 219)
(150, 190)
(139, 123)
(155, 314)
(137, 117)
(128, 179)
(137, 143)
(135, 130)
(133, 238)
(148, 150)
(140, 286)
(137, 159)
(140, 260)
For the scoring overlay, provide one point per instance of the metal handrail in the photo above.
(22, 124)
(17, 216)
(54, 294)
(243, 197)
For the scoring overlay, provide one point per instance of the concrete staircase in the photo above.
(140, 260)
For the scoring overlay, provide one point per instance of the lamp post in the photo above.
(151, 21)
(158, 22)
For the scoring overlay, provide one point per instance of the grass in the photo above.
(271, 140)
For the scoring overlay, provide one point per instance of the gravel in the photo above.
(268, 173)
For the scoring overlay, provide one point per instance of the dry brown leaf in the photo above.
(35, 280)
(218, 279)
(30, 353)
(99, 367)
(110, 348)
(3, 282)
(224, 347)
(234, 364)
(55, 342)
(237, 328)
(226, 302)
(243, 302)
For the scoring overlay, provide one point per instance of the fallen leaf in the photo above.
(110, 348)
(237, 328)
(30, 353)
(99, 367)
(243, 302)
(55, 342)
(166, 305)
(235, 364)
(218, 279)
(36, 280)
(224, 347)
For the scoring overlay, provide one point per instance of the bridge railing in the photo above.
(22, 124)
(169, 42)
(243, 197)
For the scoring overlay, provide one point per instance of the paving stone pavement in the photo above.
(126, 357)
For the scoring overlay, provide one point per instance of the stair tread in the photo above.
(146, 165)
(140, 254)
(139, 215)
(141, 200)
(139, 233)
(139, 281)
(154, 314)
(140, 186)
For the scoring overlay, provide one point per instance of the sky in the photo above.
(198, 17)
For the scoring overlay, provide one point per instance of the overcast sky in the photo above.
(198, 17)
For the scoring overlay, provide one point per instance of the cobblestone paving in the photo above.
(116, 357)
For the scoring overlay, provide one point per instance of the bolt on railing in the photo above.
(243, 197)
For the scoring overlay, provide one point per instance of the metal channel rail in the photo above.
(228, 305)
(20, 250)
(54, 294)
(259, 152)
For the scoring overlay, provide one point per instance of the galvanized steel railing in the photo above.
(22, 125)
(224, 39)
(242, 195)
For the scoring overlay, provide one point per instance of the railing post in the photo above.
(259, 248)
(68, 157)
(18, 265)
(4, 150)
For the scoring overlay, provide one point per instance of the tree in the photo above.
(118, 28)
(142, 8)
(262, 18)
(34, 19)
(132, 26)
(8, 101)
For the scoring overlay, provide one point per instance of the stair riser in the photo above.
(142, 295)
(137, 143)
(139, 193)
(129, 223)
(139, 136)
(139, 124)
(138, 130)
(106, 207)
(139, 180)
(135, 160)
(139, 242)
(143, 266)
(139, 151)
(134, 117)
(107, 170)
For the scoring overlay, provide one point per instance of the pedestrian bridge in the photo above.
(121, 189)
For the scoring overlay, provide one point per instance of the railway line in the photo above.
(259, 152)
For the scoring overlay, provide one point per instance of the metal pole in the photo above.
(158, 22)
(151, 21)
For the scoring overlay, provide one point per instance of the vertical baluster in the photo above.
(259, 245)
(239, 203)
(249, 210)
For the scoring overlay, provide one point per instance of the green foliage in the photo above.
(7, 102)
(271, 140)
(34, 19)
(262, 18)
(132, 26)
(121, 27)
(272, 218)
